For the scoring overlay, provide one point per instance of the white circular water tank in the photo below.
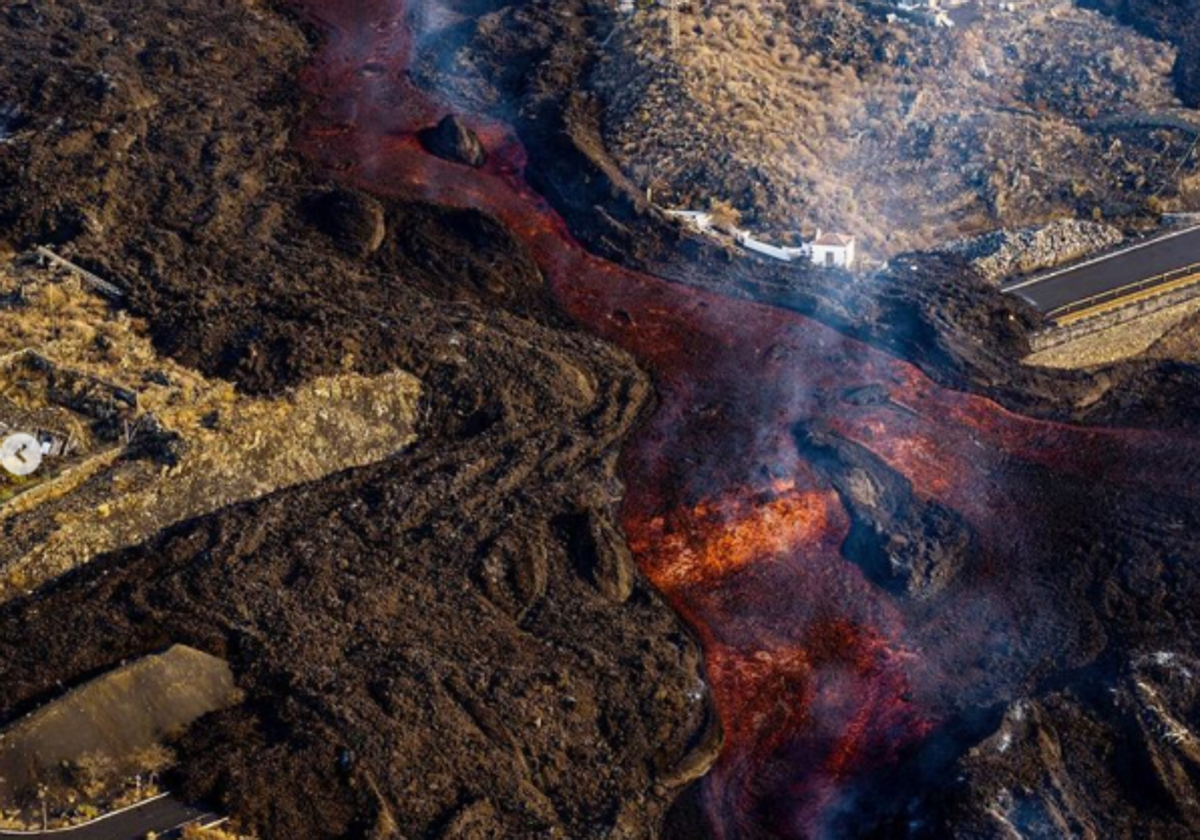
(20, 454)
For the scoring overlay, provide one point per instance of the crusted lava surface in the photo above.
(529, 64)
(920, 613)
(430, 646)
(848, 701)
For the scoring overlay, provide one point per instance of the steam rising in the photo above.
(821, 677)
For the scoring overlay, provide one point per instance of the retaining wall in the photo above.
(1056, 336)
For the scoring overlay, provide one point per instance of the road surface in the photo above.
(1111, 281)
(163, 815)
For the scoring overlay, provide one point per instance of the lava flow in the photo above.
(820, 675)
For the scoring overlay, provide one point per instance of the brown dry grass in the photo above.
(255, 446)
(821, 113)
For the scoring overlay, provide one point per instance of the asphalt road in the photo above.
(161, 815)
(1106, 274)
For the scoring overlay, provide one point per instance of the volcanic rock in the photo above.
(11, 121)
(355, 222)
(699, 759)
(600, 553)
(1040, 770)
(453, 140)
(381, 674)
(901, 541)
(1004, 253)
(154, 442)
(875, 394)
(515, 570)
(1167, 20)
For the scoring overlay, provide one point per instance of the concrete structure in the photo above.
(778, 252)
(834, 250)
(54, 444)
(162, 815)
(102, 287)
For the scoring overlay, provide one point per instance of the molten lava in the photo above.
(817, 672)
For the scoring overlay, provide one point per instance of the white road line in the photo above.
(195, 821)
(1033, 281)
(107, 816)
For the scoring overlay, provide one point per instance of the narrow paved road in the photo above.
(162, 816)
(1157, 265)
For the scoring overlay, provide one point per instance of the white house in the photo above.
(833, 250)
(828, 249)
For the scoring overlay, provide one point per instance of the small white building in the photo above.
(833, 250)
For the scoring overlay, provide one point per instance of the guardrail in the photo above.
(102, 286)
(1101, 298)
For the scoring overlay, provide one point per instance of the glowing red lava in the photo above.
(815, 672)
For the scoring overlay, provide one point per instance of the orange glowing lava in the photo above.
(714, 538)
(819, 675)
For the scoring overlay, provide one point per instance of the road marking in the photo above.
(1033, 281)
(1122, 302)
(71, 828)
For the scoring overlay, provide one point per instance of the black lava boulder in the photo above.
(452, 140)
(355, 222)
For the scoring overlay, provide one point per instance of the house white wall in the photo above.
(842, 256)
(774, 251)
(833, 255)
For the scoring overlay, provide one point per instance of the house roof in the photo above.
(836, 240)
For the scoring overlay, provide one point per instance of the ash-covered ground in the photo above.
(455, 643)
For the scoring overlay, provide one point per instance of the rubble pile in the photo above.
(1006, 253)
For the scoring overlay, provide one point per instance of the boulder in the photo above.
(355, 222)
(452, 140)
(902, 542)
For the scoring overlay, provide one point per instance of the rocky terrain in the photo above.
(471, 635)
(927, 307)
(938, 312)
(1007, 254)
(185, 445)
(1167, 20)
(1125, 733)
(457, 641)
(835, 116)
